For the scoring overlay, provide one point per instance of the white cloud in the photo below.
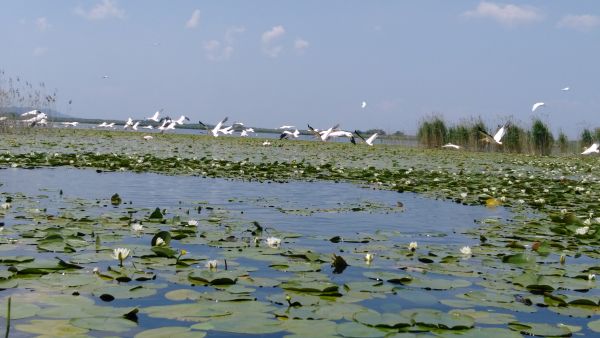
(269, 37)
(42, 24)
(582, 23)
(194, 20)
(222, 50)
(300, 45)
(104, 10)
(39, 51)
(509, 15)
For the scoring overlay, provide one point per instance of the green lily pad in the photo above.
(170, 331)
(104, 324)
(540, 329)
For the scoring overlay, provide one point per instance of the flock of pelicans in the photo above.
(36, 117)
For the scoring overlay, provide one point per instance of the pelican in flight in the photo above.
(215, 131)
(135, 125)
(368, 141)
(128, 124)
(451, 146)
(286, 127)
(31, 113)
(181, 119)
(154, 117)
(537, 105)
(363, 105)
(323, 135)
(497, 137)
(148, 127)
(566, 89)
(72, 124)
(286, 134)
(591, 149)
(342, 133)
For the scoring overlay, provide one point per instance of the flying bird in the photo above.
(135, 126)
(537, 105)
(31, 113)
(105, 76)
(342, 133)
(128, 124)
(154, 117)
(592, 149)
(286, 127)
(72, 124)
(286, 134)
(497, 137)
(450, 145)
(181, 119)
(217, 128)
(368, 141)
(363, 105)
(566, 89)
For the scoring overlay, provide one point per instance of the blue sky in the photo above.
(268, 63)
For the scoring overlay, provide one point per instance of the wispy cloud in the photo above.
(194, 20)
(39, 51)
(222, 50)
(42, 24)
(104, 10)
(269, 38)
(300, 45)
(584, 23)
(508, 15)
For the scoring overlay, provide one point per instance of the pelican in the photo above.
(497, 137)
(566, 89)
(537, 105)
(181, 119)
(217, 128)
(73, 124)
(128, 124)
(363, 105)
(110, 125)
(148, 137)
(167, 126)
(244, 133)
(148, 127)
(323, 135)
(227, 130)
(102, 125)
(368, 141)
(135, 126)
(342, 133)
(154, 117)
(286, 127)
(31, 113)
(36, 119)
(3, 118)
(450, 145)
(592, 149)
(286, 134)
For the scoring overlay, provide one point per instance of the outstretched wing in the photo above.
(359, 135)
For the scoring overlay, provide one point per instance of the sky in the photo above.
(273, 62)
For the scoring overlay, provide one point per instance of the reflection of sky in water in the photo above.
(312, 209)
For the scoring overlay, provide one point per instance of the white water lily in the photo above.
(582, 231)
(95, 270)
(587, 222)
(412, 246)
(5, 205)
(137, 227)
(159, 242)
(591, 276)
(192, 223)
(273, 242)
(369, 257)
(465, 250)
(120, 254)
(463, 194)
(563, 211)
(211, 264)
(562, 259)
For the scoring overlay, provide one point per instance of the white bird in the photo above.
(102, 125)
(497, 137)
(181, 119)
(128, 124)
(43, 122)
(135, 126)
(148, 127)
(286, 134)
(105, 76)
(450, 145)
(244, 133)
(363, 105)
(73, 124)
(324, 135)
(2, 118)
(169, 126)
(592, 149)
(537, 105)
(227, 130)
(250, 130)
(342, 133)
(154, 117)
(286, 127)
(566, 89)
(31, 113)
(110, 125)
(217, 128)
(148, 137)
(368, 141)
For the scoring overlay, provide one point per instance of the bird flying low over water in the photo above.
(286, 134)
(286, 127)
(591, 149)
(537, 105)
(128, 124)
(497, 138)
(154, 117)
(217, 128)
(368, 141)
(451, 146)
(181, 119)
(31, 113)
(72, 124)
(342, 133)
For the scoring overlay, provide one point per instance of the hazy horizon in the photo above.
(268, 63)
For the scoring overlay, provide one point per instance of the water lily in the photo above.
(591, 276)
(562, 259)
(412, 246)
(5, 205)
(465, 250)
(137, 227)
(369, 258)
(582, 231)
(159, 242)
(192, 223)
(120, 254)
(273, 242)
(587, 222)
(463, 194)
(211, 264)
